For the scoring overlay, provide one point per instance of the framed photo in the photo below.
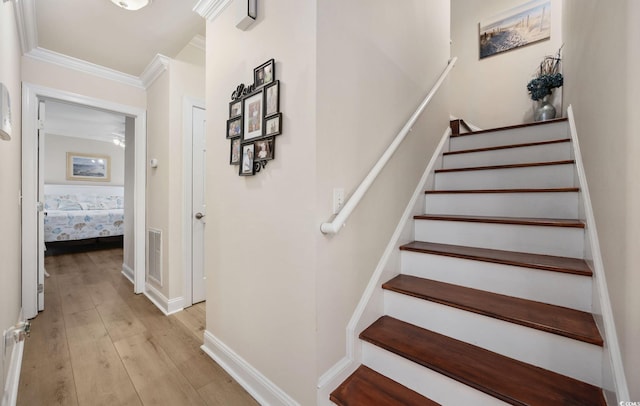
(273, 125)
(91, 167)
(264, 74)
(272, 98)
(234, 156)
(247, 167)
(235, 109)
(265, 149)
(516, 27)
(252, 107)
(234, 127)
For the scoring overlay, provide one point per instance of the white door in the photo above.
(40, 204)
(199, 208)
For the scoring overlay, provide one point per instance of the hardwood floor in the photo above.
(97, 343)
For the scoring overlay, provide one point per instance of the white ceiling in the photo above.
(99, 32)
(73, 120)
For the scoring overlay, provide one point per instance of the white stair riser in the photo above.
(526, 283)
(560, 241)
(556, 353)
(428, 383)
(550, 176)
(522, 135)
(558, 205)
(537, 153)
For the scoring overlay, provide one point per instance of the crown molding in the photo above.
(156, 67)
(25, 14)
(84, 66)
(210, 9)
(198, 42)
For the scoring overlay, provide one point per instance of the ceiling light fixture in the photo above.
(131, 5)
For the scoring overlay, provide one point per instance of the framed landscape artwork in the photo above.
(516, 27)
(91, 167)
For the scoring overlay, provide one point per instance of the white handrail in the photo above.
(339, 221)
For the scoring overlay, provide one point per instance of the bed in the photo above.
(82, 212)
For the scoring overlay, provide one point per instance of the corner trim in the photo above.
(610, 335)
(198, 42)
(166, 306)
(259, 386)
(210, 9)
(80, 65)
(158, 65)
(25, 14)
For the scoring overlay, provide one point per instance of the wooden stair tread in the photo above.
(545, 190)
(504, 220)
(507, 379)
(511, 127)
(507, 146)
(552, 263)
(367, 387)
(553, 319)
(507, 166)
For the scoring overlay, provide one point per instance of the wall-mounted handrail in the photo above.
(339, 221)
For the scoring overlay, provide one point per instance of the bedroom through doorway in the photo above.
(84, 162)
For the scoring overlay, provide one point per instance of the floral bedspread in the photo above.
(63, 225)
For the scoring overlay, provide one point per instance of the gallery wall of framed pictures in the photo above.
(254, 121)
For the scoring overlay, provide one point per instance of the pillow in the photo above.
(65, 204)
(51, 202)
(108, 204)
(88, 206)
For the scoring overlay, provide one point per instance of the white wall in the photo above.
(129, 191)
(600, 64)
(165, 183)
(492, 92)
(10, 168)
(280, 293)
(54, 76)
(260, 253)
(57, 146)
(376, 62)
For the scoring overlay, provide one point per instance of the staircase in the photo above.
(493, 301)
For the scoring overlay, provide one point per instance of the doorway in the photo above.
(195, 208)
(32, 263)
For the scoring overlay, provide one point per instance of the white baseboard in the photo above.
(614, 368)
(128, 272)
(259, 386)
(333, 378)
(166, 306)
(12, 380)
(370, 306)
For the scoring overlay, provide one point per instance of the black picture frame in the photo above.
(252, 117)
(247, 165)
(265, 149)
(271, 98)
(234, 127)
(235, 108)
(273, 125)
(234, 153)
(264, 74)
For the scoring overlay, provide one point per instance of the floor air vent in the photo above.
(154, 267)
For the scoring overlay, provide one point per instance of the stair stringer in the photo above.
(371, 304)
(614, 382)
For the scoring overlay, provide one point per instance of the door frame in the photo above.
(31, 95)
(188, 104)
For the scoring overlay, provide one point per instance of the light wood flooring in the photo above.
(97, 343)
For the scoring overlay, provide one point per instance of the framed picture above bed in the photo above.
(88, 167)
